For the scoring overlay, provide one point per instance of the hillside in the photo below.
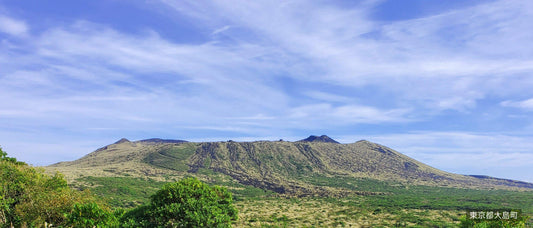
(302, 168)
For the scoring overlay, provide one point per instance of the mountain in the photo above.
(301, 168)
(122, 140)
(322, 138)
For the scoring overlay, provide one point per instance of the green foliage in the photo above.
(129, 192)
(396, 198)
(91, 215)
(496, 223)
(173, 157)
(401, 195)
(18, 184)
(137, 217)
(187, 203)
(28, 197)
(424, 197)
(124, 192)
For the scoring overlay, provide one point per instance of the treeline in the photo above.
(30, 198)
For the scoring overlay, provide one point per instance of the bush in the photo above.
(30, 198)
(187, 203)
(510, 223)
(91, 215)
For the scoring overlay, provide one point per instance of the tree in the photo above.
(15, 179)
(30, 198)
(187, 203)
(91, 215)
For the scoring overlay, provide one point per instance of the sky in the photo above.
(449, 83)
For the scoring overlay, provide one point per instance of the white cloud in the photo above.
(478, 44)
(13, 26)
(88, 76)
(220, 30)
(328, 97)
(525, 104)
(325, 114)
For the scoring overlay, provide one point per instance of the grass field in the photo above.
(396, 205)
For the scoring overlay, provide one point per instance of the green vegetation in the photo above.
(91, 215)
(129, 192)
(380, 203)
(124, 192)
(29, 198)
(360, 184)
(402, 195)
(172, 157)
(521, 222)
(424, 197)
(187, 203)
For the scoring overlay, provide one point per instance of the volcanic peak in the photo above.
(322, 138)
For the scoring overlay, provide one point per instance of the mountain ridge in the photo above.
(292, 168)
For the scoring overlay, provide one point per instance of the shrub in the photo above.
(187, 203)
(30, 198)
(91, 215)
(509, 223)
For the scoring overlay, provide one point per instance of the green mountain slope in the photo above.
(302, 168)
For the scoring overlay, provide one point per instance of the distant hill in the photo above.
(322, 138)
(294, 168)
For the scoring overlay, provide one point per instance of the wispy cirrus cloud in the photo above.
(12, 26)
(326, 114)
(335, 45)
(434, 60)
(525, 104)
(88, 59)
(90, 66)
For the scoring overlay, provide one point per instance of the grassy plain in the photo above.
(393, 205)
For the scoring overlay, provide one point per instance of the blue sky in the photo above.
(449, 83)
